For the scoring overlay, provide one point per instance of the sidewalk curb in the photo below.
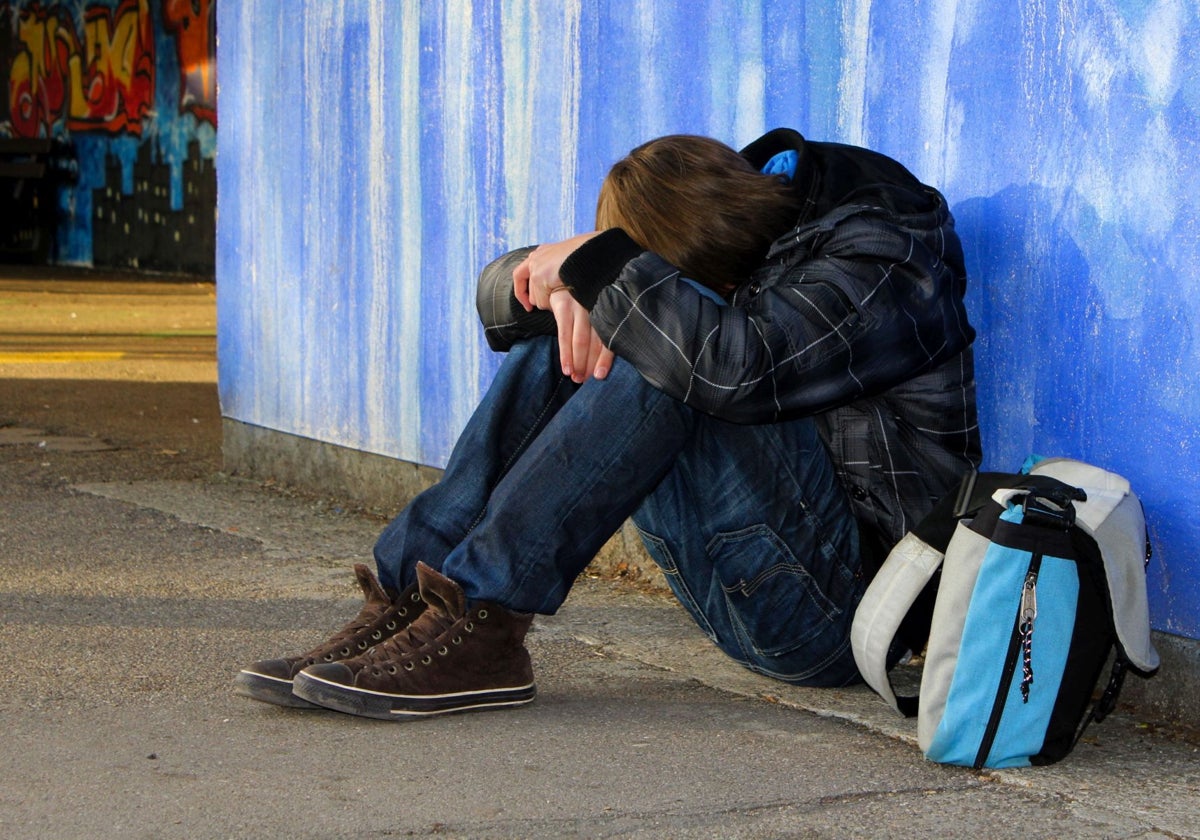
(1118, 769)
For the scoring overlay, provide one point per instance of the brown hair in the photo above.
(700, 205)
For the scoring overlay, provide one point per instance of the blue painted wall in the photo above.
(374, 155)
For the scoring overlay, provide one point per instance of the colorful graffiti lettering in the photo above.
(116, 86)
(194, 23)
(102, 82)
(39, 76)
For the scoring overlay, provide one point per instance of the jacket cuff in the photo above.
(596, 263)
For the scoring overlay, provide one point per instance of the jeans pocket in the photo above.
(777, 602)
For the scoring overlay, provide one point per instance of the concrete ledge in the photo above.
(385, 485)
(1170, 695)
(377, 482)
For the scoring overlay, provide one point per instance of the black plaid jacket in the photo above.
(856, 318)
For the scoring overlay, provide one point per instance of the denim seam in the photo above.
(794, 677)
(690, 603)
(797, 571)
(582, 493)
(518, 450)
(820, 526)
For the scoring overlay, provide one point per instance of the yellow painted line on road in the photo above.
(61, 356)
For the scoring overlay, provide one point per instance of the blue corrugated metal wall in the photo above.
(373, 155)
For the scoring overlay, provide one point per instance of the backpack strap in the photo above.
(885, 604)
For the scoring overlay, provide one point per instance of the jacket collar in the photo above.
(807, 180)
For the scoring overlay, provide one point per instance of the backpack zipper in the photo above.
(1025, 620)
(1020, 643)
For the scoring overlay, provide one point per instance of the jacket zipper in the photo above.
(1010, 664)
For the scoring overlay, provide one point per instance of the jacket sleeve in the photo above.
(504, 320)
(854, 307)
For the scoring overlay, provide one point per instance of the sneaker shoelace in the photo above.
(358, 624)
(430, 628)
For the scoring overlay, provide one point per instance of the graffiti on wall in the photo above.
(195, 28)
(99, 79)
(131, 85)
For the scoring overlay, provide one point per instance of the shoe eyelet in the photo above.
(426, 659)
(375, 672)
(328, 657)
(482, 615)
(416, 596)
(469, 627)
(377, 635)
(457, 640)
(403, 611)
(345, 651)
(408, 666)
(391, 625)
(443, 650)
(362, 645)
(391, 669)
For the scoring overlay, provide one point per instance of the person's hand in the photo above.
(537, 285)
(580, 350)
(536, 278)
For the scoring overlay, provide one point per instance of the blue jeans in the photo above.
(748, 523)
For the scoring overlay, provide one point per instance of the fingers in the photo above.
(536, 278)
(564, 318)
(521, 283)
(581, 349)
(581, 352)
(604, 360)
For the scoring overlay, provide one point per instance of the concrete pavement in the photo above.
(135, 578)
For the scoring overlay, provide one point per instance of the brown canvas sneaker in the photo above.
(383, 614)
(453, 658)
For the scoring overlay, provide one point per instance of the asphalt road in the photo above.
(135, 578)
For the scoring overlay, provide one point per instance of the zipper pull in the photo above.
(1029, 598)
(1025, 618)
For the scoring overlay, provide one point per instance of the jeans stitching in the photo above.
(602, 469)
(814, 670)
(672, 572)
(530, 433)
(757, 661)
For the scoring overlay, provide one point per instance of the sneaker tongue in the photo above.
(440, 593)
(372, 591)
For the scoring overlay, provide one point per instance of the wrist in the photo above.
(596, 263)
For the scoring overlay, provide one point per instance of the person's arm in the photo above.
(505, 320)
(521, 295)
(867, 306)
(537, 284)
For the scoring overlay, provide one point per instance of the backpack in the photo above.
(1018, 589)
